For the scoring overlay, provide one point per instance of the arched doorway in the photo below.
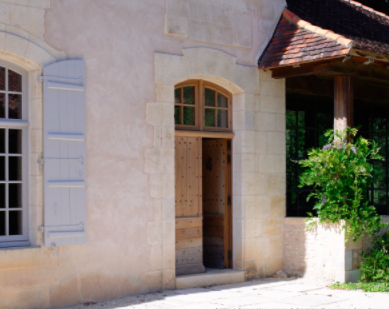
(203, 186)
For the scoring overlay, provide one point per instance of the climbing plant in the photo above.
(339, 175)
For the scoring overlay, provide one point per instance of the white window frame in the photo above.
(23, 125)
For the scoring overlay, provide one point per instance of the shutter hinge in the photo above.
(229, 202)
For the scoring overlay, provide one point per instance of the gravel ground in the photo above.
(265, 293)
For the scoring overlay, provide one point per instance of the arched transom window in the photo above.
(202, 106)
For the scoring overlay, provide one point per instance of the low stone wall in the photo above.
(321, 253)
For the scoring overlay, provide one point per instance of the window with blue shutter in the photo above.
(64, 156)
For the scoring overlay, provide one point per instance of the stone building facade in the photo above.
(135, 52)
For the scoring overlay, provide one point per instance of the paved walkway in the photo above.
(266, 293)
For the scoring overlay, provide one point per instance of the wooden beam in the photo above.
(204, 134)
(343, 102)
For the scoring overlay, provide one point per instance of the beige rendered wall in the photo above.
(134, 57)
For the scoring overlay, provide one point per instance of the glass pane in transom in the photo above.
(2, 78)
(209, 119)
(15, 106)
(222, 118)
(189, 116)
(222, 101)
(15, 223)
(14, 81)
(177, 115)
(177, 95)
(15, 195)
(209, 97)
(14, 141)
(189, 95)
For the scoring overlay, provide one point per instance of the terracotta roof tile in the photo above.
(319, 29)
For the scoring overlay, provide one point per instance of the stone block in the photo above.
(276, 143)
(273, 227)
(5, 13)
(155, 186)
(168, 186)
(273, 265)
(152, 161)
(221, 34)
(176, 25)
(253, 228)
(154, 233)
(277, 206)
(156, 257)
(348, 260)
(242, 36)
(249, 163)
(249, 121)
(256, 207)
(165, 93)
(276, 184)
(153, 281)
(271, 164)
(272, 104)
(252, 102)
(351, 245)
(248, 142)
(169, 255)
(276, 247)
(198, 30)
(153, 114)
(169, 232)
(254, 184)
(168, 209)
(169, 69)
(353, 276)
(16, 45)
(265, 122)
(280, 123)
(169, 279)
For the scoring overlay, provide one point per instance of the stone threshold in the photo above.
(211, 277)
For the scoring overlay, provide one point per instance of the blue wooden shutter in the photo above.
(64, 153)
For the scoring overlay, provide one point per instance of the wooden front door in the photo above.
(216, 203)
(189, 223)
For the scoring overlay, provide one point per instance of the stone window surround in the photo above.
(31, 54)
(243, 83)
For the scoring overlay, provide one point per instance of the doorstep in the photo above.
(211, 277)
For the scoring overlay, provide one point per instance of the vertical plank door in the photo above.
(188, 188)
(215, 203)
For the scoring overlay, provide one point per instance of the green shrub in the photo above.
(339, 175)
(375, 262)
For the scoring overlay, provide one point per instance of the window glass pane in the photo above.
(189, 116)
(15, 195)
(2, 195)
(177, 95)
(222, 119)
(301, 119)
(189, 95)
(2, 223)
(177, 115)
(15, 223)
(15, 168)
(2, 78)
(291, 138)
(209, 97)
(14, 81)
(209, 117)
(2, 168)
(2, 105)
(2, 140)
(15, 141)
(15, 106)
(222, 101)
(379, 174)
